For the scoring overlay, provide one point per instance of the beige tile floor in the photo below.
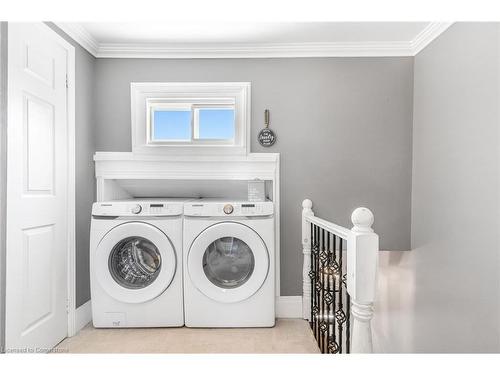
(288, 336)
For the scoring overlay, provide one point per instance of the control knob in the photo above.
(228, 209)
(136, 209)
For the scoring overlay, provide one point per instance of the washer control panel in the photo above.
(137, 208)
(224, 209)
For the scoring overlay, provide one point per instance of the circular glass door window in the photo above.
(228, 262)
(134, 262)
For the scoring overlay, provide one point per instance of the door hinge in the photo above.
(66, 81)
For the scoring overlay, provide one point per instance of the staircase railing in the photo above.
(339, 280)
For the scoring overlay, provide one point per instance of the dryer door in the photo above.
(228, 262)
(135, 262)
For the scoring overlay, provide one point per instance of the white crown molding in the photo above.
(80, 35)
(428, 34)
(268, 50)
(262, 50)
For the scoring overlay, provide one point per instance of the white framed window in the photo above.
(191, 118)
(191, 123)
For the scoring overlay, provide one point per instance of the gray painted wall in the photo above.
(455, 191)
(343, 127)
(85, 175)
(3, 171)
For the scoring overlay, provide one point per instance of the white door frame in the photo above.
(71, 215)
(71, 219)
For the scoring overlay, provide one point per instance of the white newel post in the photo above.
(306, 250)
(362, 264)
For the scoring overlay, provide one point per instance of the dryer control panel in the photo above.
(137, 208)
(210, 208)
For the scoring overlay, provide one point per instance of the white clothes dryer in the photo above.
(229, 263)
(136, 263)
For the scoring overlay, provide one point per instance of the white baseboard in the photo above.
(289, 307)
(286, 307)
(83, 316)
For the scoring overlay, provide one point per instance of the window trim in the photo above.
(148, 95)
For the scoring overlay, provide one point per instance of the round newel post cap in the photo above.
(307, 203)
(362, 219)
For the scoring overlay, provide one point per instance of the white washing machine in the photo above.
(135, 263)
(229, 264)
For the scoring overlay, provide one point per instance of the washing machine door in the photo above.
(135, 262)
(228, 262)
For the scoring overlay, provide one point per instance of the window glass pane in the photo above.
(171, 125)
(216, 123)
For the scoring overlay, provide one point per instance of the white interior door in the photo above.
(37, 188)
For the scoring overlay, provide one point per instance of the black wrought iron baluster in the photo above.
(322, 293)
(311, 276)
(328, 290)
(313, 281)
(320, 290)
(334, 344)
(318, 286)
(316, 296)
(340, 312)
